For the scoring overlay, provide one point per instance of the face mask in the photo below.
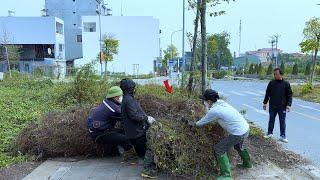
(207, 105)
(120, 99)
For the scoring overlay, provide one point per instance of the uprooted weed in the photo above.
(179, 148)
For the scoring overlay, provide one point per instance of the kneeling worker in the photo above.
(231, 121)
(101, 124)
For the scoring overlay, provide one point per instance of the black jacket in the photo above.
(105, 116)
(134, 118)
(279, 94)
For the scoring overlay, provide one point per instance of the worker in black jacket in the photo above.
(279, 96)
(102, 120)
(136, 124)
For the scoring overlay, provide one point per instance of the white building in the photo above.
(138, 42)
(41, 42)
(71, 11)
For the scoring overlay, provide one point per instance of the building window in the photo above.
(79, 38)
(59, 28)
(89, 27)
(60, 47)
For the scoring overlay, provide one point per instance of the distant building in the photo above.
(265, 54)
(138, 42)
(41, 42)
(242, 61)
(71, 12)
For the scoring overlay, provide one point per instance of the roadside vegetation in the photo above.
(307, 92)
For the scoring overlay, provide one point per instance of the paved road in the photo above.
(303, 123)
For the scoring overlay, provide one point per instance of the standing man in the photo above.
(231, 121)
(279, 96)
(136, 123)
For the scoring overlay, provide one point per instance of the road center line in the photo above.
(252, 93)
(256, 110)
(236, 93)
(308, 107)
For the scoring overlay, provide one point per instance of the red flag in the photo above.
(168, 87)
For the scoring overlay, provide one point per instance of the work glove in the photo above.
(151, 120)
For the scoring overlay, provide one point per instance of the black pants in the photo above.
(282, 118)
(114, 137)
(140, 145)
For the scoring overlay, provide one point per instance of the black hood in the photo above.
(127, 86)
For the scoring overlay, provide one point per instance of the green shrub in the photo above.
(306, 89)
(269, 71)
(219, 74)
(295, 69)
(262, 74)
(307, 72)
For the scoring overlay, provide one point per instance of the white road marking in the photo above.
(261, 92)
(308, 107)
(302, 114)
(256, 110)
(224, 94)
(252, 93)
(236, 93)
(306, 115)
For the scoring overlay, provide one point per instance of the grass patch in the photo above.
(307, 93)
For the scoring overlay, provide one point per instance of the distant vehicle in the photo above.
(224, 68)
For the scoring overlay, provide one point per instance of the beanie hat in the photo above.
(114, 92)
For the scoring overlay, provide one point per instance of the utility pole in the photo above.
(100, 39)
(276, 37)
(240, 29)
(272, 42)
(183, 40)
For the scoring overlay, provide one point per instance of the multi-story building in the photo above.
(71, 12)
(40, 41)
(138, 42)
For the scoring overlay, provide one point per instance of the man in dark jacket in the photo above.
(136, 123)
(279, 95)
(101, 123)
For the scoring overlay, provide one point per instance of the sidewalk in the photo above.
(79, 169)
(114, 169)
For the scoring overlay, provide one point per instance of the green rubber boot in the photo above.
(246, 161)
(225, 168)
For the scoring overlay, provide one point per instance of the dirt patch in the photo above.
(17, 171)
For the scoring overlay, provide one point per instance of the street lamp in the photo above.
(172, 45)
(98, 10)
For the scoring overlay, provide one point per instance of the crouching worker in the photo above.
(136, 124)
(231, 121)
(101, 124)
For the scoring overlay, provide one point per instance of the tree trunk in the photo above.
(314, 61)
(194, 47)
(106, 70)
(204, 64)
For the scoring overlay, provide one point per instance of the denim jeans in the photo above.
(282, 118)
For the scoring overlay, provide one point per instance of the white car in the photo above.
(1, 76)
